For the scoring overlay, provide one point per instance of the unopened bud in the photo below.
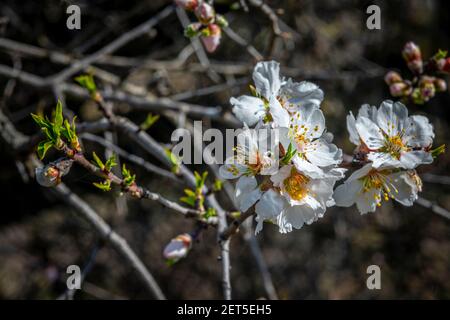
(178, 248)
(211, 37)
(413, 57)
(47, 176)
(427, 91)
(189, 5)
(443, 65)
(392, 77)
(399, 89)
(440, 84)
(221, 21)
(192, 30)
(50, 175)
(205, 13)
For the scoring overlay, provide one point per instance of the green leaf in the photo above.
(111, 162)
(128, 178)
(105, 185)
(441, 54)
(87, 82)
(58, 119)
(98, 162)
(218, 184)
(200, 180)
(438, 151)
(189, 192)
(188, 200)
(43, 147)
(149, 121)
(290, 153)
(191, 31)
(210, 212)
(173, 160)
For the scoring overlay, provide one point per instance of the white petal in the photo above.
(369, 132)
(245, 184)
(323, 154)
(266, 76)
(419, 133)
(346, 194)
(360, 172)
(366, 201)
(307, 167)
(404, 190)
(280, 115)
(383, 160)
(270, 205)
(411, 159)
(281, 175)
(232, 170)
(351, 127)
(302, 94)
(248, 109)
(392, 117)
(369, 112)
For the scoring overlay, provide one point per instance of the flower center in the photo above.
(394, 145)
(376, 180)
(296, 185)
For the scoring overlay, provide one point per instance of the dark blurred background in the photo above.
(331, 46)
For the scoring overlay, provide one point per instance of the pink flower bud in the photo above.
(47, 176)
(399, 89)
(212, 38)
(440, 85)
(392, 77)
(50, 175)
(443, 65)
(205, 13)
(411, 51)
(427, 91)
(178, 247)
(189, 5)
(413, 57)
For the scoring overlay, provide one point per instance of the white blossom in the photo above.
(368, 186)
(275, 97)
(306, 132)
(178, 247)
(256, 153)
(296, 199)
(389, 137)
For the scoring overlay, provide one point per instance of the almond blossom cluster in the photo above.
(288, 175)
(392, 145)
(286, 164)
(209, 25)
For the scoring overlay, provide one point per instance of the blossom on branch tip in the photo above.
(189, 5)
(178, 248)
(205, 13)
(368, 187)
(211, 36)
(274, 98)
(50, 175)
(387, 136)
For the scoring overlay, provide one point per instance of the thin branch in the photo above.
(242, 42)
(433, 207)
(105, 231)
(434, 178)
(15, 138)
(249, 236)
(111, 47)
(131, 157)
(268, 11)
(199, 51)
